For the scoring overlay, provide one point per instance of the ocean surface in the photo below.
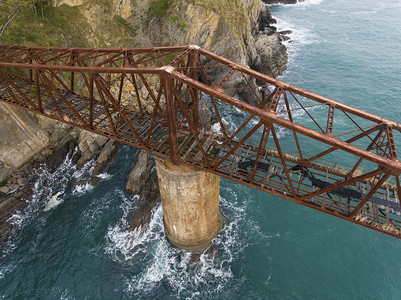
(72, 244)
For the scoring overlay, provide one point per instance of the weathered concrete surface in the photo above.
(21, 137)
(190, 200)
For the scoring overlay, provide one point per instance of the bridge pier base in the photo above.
(190, 200)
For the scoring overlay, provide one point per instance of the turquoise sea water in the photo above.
(270, 248)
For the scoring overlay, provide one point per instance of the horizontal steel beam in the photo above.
(272, 117)
(112, 70)
(299, 91)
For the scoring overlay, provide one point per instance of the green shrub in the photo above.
(159, 7)
(3, 183)
(177, 20)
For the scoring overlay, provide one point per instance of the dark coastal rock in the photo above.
(4, 189)
(212, 252)
(265, 20)
(6, 172)
(285, 32)
(240, 44)
(63, 139)
(89, 145)
(59, 154)
(269, 30)
(22, 181)
(272, 57)
(139, 173)
(286, 38)
(145, 184)
(106, 155)
(282, 1)
(149, 198)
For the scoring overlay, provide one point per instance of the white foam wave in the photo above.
(156, 262)
(17, 219)
(127, 244)
(299, 35)
(105, 176)
(300, 3)
(309, 2)
(82, 189)
(216, 128)
(84, 174)
(54, 201)
(65, 295)
(6, 269)
(48, 192)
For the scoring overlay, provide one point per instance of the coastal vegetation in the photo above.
(159, 7)
(98, 24)
(41, 23)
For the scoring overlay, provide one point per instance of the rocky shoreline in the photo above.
(18, 188)
(263, 51)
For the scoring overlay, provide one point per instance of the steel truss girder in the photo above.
(74, 85)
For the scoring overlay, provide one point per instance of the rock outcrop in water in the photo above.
(139, 173)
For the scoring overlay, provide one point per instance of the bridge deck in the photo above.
(43, 80)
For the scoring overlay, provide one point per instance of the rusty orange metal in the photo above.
(150, 97)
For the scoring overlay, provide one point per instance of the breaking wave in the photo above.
(309, 2)
(158, 266)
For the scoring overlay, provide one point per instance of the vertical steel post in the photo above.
(37, 85)
(193, 73)
(91, 101)
(120, 91)
(171, 117)
(30, 62)
(72, 73)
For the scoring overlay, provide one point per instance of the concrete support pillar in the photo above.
(190, 200)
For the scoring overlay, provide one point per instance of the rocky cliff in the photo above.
(238, 30)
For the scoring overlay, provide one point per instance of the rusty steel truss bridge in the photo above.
(282, 139)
